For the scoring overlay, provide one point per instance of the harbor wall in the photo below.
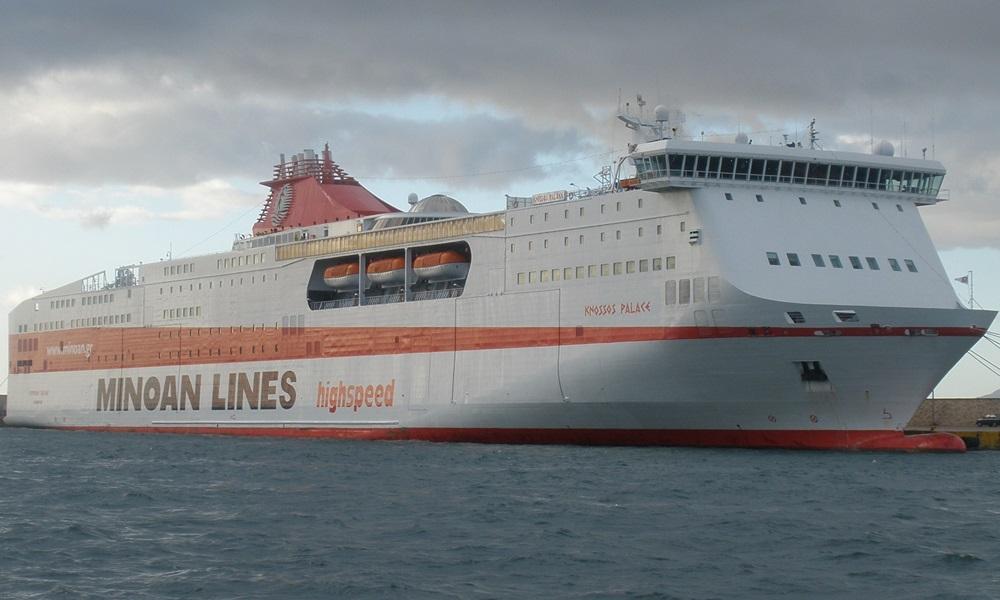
(958, 416)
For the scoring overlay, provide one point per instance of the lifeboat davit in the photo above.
(446, 265)
(343, 276)
(387, 271)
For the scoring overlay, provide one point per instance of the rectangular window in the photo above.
(643, 265)
(910, 266)
(728, 166)
(872, 263)
(802, 201)
(855, 262)
(760, 198)
(729, 196)
(568, 273)
(543, 277)
(772, 259)
(579, 273)
(630, 266)
(618, 268)
(670, 263)
(818, 260)
(848, 178)
(698, 289)
(618, 234)
(605, 270)
(657, 264)
(835, 262)
(671, 292)
(793, 259)
(640, 232)
(581, 238)
(591, 270)
(684, 291)
(836, 203)
(532, 275)
(713, 167)
(714, 289)
(556, 274)
(894, 264)
(659, 230)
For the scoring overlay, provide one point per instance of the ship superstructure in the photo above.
(727, 294)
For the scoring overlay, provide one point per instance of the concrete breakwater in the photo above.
(958, 416)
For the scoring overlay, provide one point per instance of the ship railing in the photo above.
(437, 294)
(385, 299)
(324, 304)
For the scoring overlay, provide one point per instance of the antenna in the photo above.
(813, 135)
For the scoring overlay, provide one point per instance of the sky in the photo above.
(135, 130)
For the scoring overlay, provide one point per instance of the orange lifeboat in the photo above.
(343, 276)
(446, 265)
(387, 271)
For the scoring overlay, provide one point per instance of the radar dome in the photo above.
(661, 113)
(412, 199)
(884, 148)
(439, 203)
(742, 138)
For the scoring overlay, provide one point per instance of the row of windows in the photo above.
(245, 260)
(84, 301)
(27, 345)
(102, 320)
(580, 211)
(604, 270)
(835, 262)
(47, 326)
(802, 201)
(211, 284)
(180, 313)
(789, 171)
(178, 269)
(604, 236)
(696, 290)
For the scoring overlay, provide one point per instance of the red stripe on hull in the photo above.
(878, 440)
(131, 348)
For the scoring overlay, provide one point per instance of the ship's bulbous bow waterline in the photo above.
(728, 295)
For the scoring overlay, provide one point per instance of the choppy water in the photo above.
(141, 516)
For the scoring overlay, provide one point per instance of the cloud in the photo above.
(172, 95)
(100, 206)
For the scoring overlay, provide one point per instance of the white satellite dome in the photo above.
(742, 138)
(439, 203)
(661, 113)
(884, 148)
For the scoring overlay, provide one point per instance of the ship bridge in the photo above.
(672, 163)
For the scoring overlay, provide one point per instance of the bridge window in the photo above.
(894, 264)
(835, 261)
(818, 260)
(771, 170)
(793, 259)
(855, 262)
(772, 259)
(872, 263)
(910, 266)
(835, 173)
(728, 166)
(713, 166)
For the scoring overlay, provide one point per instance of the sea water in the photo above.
(100, 515)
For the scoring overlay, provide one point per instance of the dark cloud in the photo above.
(170, 94)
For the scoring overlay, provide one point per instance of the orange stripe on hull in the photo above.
(129, 348)
(877, 440)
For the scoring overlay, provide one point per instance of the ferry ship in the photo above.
(705, 294)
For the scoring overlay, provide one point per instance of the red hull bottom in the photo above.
(867, 440)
